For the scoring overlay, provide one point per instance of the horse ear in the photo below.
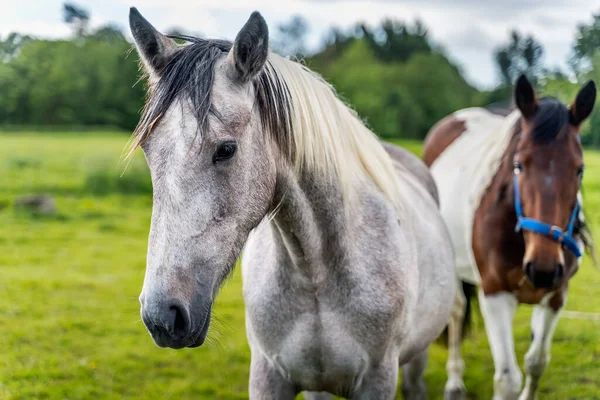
(525, 97)
(584, 104)
(153, 47)
(250, 48)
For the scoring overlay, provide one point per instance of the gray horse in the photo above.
(347, 267)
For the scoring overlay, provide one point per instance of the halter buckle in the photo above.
(555, 228)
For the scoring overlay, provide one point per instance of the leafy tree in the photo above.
(396, 41)
(370, 87)
(10, 46)
(336, 41)
(393, 74)
(522, 55)
(398, 81)
(587, 44)
(397, 99)
(64, 82)
(77, 17)
(108, 33)
(591, 128)
(291, 37)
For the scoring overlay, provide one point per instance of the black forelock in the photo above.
(548, 120)
(190, 73)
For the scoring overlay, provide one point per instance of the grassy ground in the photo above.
(69, 316)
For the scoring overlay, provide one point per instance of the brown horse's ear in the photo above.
(525, 97)
(584, 104)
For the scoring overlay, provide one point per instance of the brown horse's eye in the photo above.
(518, 167)
(579, 172)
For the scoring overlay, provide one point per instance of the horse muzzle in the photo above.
(172, 324)
(544, 278)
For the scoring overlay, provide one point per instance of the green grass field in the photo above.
(69, 314)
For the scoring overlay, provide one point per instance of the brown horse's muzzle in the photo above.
(544, 262)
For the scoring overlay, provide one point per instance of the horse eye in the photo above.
(579, 171)
(224, 152)
(518, 167)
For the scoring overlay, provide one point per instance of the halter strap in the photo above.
(552, 231)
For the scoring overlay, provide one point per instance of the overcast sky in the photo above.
(469, 30)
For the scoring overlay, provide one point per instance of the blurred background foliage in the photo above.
(397, 78)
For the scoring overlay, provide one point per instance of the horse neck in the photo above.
(310, 223)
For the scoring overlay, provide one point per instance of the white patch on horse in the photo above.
(498, 311)
(543, 324)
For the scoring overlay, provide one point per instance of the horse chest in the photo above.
(323, 337)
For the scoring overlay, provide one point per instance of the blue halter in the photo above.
(551, 231)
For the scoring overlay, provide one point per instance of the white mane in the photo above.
(329, 137)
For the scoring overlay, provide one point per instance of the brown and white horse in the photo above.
(509, 189)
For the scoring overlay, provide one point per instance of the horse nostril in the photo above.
(169, 323)
(179, 321)
(544, 278)
(559, 273)
(530, 271)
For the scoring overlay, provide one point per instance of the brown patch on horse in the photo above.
(440, 136)
(558, 300)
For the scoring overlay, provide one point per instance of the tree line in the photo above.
(395, 76)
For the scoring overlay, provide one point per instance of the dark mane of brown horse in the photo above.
(549, 120)
(550, 117)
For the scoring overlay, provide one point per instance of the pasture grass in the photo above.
(69, 314)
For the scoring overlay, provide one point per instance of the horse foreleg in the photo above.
(455, 387)
(413, 385)
(543, 324)
(379, 382)
(498, 312)
(266, 383)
